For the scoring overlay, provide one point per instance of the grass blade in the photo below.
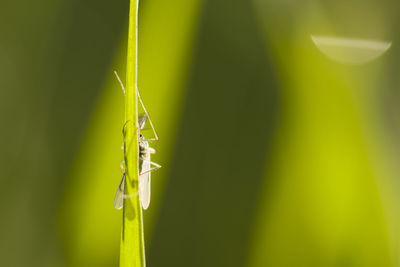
(132, 240)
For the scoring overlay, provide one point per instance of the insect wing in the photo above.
(119, 196)
(142, 121)
(145, 183)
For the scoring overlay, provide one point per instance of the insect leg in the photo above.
(148, 150)
(155, 166)
(148, 116)
(121, 188)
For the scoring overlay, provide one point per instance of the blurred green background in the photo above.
(273, 154)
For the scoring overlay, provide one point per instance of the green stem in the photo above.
(132, 241)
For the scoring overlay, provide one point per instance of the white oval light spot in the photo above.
(350, 50)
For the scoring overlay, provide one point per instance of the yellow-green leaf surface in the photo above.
(132, 240)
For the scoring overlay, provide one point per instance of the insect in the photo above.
(146, 166)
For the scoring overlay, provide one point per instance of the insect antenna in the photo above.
(120, 82)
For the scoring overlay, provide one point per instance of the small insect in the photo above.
(146, 166)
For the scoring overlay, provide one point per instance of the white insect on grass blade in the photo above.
(146, 166)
